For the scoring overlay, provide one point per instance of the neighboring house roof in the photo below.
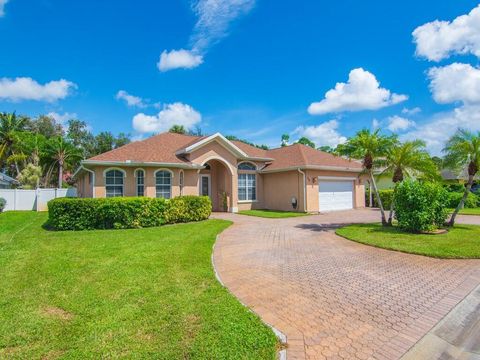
(448, 174)
(171, 149)
(7, 180)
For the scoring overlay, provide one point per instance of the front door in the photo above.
(205, 189)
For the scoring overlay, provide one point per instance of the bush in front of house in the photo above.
(454, 198)
(3, 203)
(125, 213)
(385, 195)
(420, 206)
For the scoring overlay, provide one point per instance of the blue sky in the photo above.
(253, 68)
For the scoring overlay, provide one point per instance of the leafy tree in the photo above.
(30, 176)
(306, 141)
(234, 138)
(409, 159)
(178, 129)
(10, 126)
(327, 149)
(197, 131)
(438, 162)
(285, 140)
(121, 140)
(45, 125)
(62, 154)
(105, 141)
(463, 151)
(369, 147)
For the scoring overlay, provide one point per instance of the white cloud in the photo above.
(2, 7)
(398, 123)
(24, 88)
(171, 114)
(323, 134)
(455, 82)
(62, 118)
(413, 111)
(214, 18)
(178, 59)
(131, 100)
(442, 126)
(375, 124)
(361, 92)
(438, 40)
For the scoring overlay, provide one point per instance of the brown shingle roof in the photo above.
(301, 155)
(162, 148)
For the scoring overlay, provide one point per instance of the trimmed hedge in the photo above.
(454, 198)
(3, 203)
(125, 213)
(420, 206)
(385, 195)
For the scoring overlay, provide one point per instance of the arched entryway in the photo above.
(216, 182)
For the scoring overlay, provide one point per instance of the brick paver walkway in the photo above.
(334, 298)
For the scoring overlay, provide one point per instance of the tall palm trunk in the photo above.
(377, 195)
(462, 202)
(60, 174)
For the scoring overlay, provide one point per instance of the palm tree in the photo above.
(10, 125)
(62, 154)
(463, 152)
(369, 147)
(408, 159)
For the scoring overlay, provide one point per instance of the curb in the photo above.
(282, 354)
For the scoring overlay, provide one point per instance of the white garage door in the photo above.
(335, 195)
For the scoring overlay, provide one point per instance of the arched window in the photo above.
(247, 182)
(247, 166)
(114, 183)
(181, 181)
(163, 182)
(140, 175)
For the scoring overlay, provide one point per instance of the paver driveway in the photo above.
(335, 298)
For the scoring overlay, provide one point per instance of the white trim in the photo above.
(304, 189)
(247, 201)
(181, 181)
(209, 184)
(313, 167)
(135, 172)
(114, 168)
(140, 163)
(163, 169)
(105, 179)
(136, 180)
(246, 187)
(339, 178)
(211, 138)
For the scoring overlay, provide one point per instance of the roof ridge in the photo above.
(302, 153)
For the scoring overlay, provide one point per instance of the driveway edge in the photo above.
(282, 354)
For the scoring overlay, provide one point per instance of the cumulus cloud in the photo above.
(398, 123)
(323, 134)
(131, 100)
(438, 40)
(62, 118)
(361, 92)
(455, 82)
(24, 88)
(171, 114)
(413, 111)
(2, 7)
(214, 18)
(440, 127)
(177, 59)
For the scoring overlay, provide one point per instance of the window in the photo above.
(247, 166)
(163, 181)
(247, 187)
(181, 182)
(114, 183)
(140, 183)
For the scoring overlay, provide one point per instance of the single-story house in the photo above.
(236, 176)
(6, 182)
(456, 177)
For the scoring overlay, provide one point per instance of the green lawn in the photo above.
(273, 214)
(148, 293)
(463, 241)
(468, 211)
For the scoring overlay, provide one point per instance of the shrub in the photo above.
(385, 195)
(125, 213)
(454, 187)
(454, 198)
(420, 206)
(3, 203)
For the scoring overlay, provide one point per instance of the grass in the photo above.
(272, 214)
(461, 242)
(468, 211)
(147, 293)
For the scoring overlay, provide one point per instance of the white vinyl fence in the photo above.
(36, 200)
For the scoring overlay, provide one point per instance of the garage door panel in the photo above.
(335, 195)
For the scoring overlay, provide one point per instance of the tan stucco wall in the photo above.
(279, 188)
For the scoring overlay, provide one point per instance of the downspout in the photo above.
(304, 189)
